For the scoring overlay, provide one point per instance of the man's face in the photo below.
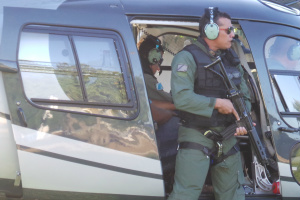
(155, 68)
(224, 39)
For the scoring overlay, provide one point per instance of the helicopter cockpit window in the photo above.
(288, 87)
(283, 61)
(76, 72)
(283, 53)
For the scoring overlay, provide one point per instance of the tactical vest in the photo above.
(210, 83)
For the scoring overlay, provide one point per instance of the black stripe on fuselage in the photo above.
(54, 195)
(90, 163)
(6, 116)
(287, 178)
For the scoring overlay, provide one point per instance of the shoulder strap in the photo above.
(201, 59)
(238, 49)
(198, 54)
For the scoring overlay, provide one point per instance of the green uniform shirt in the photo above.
(184, 97)
(153, 92)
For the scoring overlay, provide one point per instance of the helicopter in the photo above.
(75, 119)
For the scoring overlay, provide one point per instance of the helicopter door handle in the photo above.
(288, 129)
(22, 117)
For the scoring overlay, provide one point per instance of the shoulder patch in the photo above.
(182, 68)
(159, 86)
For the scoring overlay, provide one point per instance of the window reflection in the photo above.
(101, 70)
(289, 87)
(283, 53)
(48, 68)
(295, 162)
(283, 61)
(80, 73)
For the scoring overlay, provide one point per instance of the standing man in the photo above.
(200, 95)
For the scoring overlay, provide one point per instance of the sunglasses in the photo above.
(228, 30)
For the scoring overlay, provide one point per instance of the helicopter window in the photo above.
(283, 53)
(283, 61)
(101, 70)
(76, 72)
(44, 77)
(295, 162)
(288, 87)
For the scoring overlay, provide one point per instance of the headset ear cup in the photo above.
(294, 52)
(154, 56)
(211, 31)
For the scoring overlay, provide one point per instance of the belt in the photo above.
(210, 152)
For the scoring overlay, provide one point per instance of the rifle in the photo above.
(245, 118)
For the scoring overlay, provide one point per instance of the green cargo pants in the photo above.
(191, 170)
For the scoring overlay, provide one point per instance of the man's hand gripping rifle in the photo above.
(246, 121)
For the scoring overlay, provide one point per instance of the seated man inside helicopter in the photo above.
(161, 102)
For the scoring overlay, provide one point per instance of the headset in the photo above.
(211, 30)
(154, 55)
(293, 53)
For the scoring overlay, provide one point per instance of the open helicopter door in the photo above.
(281, 129)
(78, 104)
